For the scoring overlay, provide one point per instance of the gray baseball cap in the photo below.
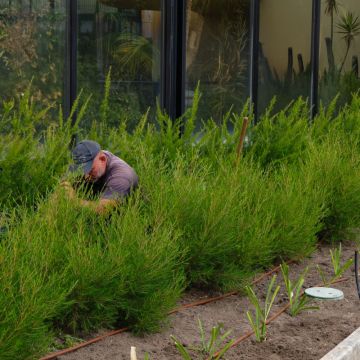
(83, 155)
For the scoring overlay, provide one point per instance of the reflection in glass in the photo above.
(285, 45)
(340, 50)
(32, 45)
(217, 55)
(123, 36)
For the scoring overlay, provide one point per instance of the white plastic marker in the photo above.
(325, 293)
(133, 353)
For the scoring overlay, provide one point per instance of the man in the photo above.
(106, 174)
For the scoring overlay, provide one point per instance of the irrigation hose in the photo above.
(190, 305)
(275, 269)
(357, 272)
(202, 302)
(220, 297)
(248, 334)
(78, 346)
(186, 306)
(183, 307)
(271, 319)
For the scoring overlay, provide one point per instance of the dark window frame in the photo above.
(173, 57)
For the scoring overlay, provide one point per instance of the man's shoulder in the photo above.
(118, 166)
(114, 161)
(121, 177)
(110, 155)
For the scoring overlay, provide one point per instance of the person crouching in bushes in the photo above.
(103, 174)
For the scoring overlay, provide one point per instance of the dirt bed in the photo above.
(309, 336)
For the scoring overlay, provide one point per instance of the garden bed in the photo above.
(197, 220)
(308, 336)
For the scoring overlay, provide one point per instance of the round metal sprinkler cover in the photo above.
(325, 293)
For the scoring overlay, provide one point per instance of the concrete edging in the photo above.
(348, 349)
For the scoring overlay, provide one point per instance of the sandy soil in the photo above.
(309, 336)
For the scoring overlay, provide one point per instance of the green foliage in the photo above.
(217, 342)
(282, 138)
(197, 219)
(84, 272)
(334, 165)
(298, 301)
(323, 277)
(32, 158)
(135, 56)
(335, 261)
(214, 230)
(341, 85)
(31, 43)
(298, 206)
(64, 341)
(337, 267)
(181, 348)
(104, 108)
(258, 324)
(211, 346)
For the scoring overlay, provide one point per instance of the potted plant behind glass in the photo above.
(349, 28)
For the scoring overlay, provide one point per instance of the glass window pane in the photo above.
(285, 51)
(340, 50)
(217, 52)
(32, 48)
(125, 36)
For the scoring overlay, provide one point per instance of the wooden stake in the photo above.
(242, 137)
(133, 353)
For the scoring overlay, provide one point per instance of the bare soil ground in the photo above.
(306, 337)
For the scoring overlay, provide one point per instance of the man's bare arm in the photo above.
(101, 206)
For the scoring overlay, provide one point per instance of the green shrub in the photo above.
(334, 166)
(198, 219)
(298, 207)
(30, 295)
(282, 138)
(32, 158)
(81, 272)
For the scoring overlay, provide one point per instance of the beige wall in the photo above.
(284, 24)
(287, 23)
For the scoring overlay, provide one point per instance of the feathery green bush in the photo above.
(198, 218)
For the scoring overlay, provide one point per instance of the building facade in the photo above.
(160, 50)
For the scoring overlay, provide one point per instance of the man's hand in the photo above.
(68, 189)
(102, 206)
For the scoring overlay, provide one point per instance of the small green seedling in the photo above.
(261, 313)
(181, 348)
(335, 260)
(65, 341)
(323, 277)
(339, 269)
(297, 299)
(208, 347)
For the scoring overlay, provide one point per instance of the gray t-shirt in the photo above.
(119, 179)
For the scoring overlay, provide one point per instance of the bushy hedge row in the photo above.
(198, 219)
